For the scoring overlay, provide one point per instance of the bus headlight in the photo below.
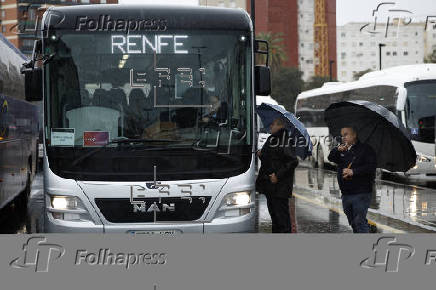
(68, 208)
(238, 198)
(236, 204)
(64, 202)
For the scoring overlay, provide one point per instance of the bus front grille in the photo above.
(148, 210)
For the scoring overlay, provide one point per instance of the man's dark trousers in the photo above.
(278, 208)
(356, 207)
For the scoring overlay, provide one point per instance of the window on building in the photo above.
(405, 53)
(360, 43)
(343, 55)
(343, 34)
(3, 13)
(302, 44)
(3, 28)
(394, 53)
(309, 61)
(354, 44)
(388, 53)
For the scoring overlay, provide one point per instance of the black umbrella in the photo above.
(379, 128)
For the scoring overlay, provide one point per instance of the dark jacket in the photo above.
(364, 164)
(277, 156)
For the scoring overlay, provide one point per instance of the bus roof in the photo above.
(394, 76)
(175, 17)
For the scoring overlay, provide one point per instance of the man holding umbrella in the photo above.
(289, 139)
(366, 128)
(356, 167)
(276, 175)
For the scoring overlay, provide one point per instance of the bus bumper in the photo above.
(240, 224)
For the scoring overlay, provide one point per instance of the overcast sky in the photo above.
(346, 10)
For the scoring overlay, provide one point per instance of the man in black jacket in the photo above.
(276, 175)
(356, 163)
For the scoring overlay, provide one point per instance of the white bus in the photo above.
(408, 91)
(148, 118)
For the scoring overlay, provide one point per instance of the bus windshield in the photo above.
(420, 110)
(182, 92)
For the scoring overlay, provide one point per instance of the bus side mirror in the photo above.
(262, 81)
(32, 82)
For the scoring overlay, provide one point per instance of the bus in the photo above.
(18, 129)
(149, 121)
(408, 91)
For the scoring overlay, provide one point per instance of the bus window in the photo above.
(420, 110)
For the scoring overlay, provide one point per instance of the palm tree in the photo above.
(276, 49)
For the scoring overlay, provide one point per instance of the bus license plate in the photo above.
(160, 232)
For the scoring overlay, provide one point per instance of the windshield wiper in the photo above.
(117, 141)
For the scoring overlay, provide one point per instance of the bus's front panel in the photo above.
(148, 131)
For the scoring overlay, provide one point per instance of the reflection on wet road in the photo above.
(411, 206)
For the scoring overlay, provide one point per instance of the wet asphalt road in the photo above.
(315, 207)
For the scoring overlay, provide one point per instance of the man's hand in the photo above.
(258, 153)
(273, 178)
(342, 148)
(347, 173)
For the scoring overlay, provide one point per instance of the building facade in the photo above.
(358, 49)
(18, 17)
(295, 20)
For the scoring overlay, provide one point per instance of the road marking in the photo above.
(371, 222)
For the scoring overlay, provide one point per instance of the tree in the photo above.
(286, 84)
(358, 74)
(430, 58)
(316, 82)
(277, 54)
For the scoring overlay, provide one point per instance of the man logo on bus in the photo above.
(38, 255)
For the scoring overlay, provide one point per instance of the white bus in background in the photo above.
(408, 91)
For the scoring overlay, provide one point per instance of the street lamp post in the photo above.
(380, 45)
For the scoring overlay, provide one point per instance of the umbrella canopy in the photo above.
(269, 112)
(379, 128)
